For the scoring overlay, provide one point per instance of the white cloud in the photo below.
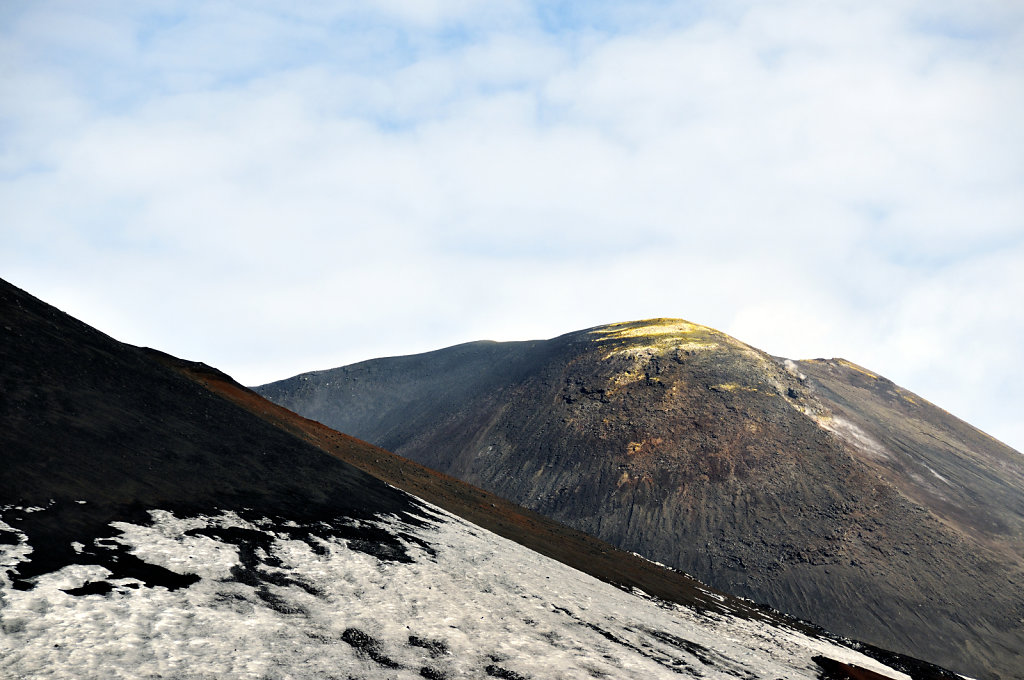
(818, 180)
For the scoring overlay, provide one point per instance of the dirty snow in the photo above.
(479, 606)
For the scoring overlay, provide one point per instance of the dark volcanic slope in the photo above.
(815, 486)
(967, 478)
(96, 431)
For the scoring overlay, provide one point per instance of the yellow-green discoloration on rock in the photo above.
(642, 341)
(855, 367)
(733, 387)
(648, 328)
(631, 376)
(657, 336)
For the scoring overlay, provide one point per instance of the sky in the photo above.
(274, 189)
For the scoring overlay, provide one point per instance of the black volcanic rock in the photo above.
(816, 487)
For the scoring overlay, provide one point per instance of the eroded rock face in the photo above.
(817, 487)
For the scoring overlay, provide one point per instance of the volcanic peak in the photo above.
(817, 486)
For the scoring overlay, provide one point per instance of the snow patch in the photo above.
(938, 476)
(468, 604)
(853, 435)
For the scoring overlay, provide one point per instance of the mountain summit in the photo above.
(818, 487)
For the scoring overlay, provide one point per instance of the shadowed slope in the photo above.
(95, 431)
(683, 444)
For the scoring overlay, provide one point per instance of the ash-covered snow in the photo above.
(274, 602)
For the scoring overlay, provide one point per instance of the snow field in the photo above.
(480, 606)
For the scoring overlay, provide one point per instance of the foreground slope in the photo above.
(817, 487)
(158, 520)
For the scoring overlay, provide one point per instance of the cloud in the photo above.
(300, 189)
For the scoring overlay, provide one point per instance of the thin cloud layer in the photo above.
(277, 190)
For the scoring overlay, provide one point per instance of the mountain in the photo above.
(159, 520)
(817, 487)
